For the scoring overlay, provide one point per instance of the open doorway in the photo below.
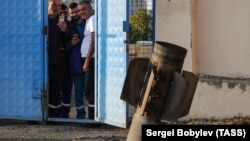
(63, 103)
(112, 56)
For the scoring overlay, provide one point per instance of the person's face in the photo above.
(73, 13)
(63, 12)
(54, 7)
(85, 11)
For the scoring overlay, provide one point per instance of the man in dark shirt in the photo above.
(68, 80)
(76, 28)
(57, 37)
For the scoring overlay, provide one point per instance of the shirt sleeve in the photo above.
(92, 24)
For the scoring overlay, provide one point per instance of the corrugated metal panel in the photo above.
(22, 55)
(111, 61)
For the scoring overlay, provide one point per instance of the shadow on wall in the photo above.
(231, 82)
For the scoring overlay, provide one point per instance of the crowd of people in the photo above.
(71, 38)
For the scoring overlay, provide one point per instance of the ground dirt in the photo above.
(228, 121)
(14, 130)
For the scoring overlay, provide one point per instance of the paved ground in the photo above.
(12, 130)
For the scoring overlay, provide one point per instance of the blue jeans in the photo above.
(84, 86)
(79, 83)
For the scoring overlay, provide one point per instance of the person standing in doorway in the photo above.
(87, 53)
(68, 81)
(76, 28)
(57, 38)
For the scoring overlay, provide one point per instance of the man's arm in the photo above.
(90, 52)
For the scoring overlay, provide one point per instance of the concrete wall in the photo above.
(216, 35)
(173, 25)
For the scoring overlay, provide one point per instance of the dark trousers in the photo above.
(89, 88)
(66, 93)
(56, 78)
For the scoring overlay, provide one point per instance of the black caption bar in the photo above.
(218, 132)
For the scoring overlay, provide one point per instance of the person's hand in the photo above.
(85, 67)
(62, 25)
(74, 41)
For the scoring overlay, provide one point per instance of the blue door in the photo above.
(22, 59)
(111, 60)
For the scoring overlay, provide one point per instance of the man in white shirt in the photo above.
(87, 53)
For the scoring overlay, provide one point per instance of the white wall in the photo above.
(221, 37)
(216, 34)
(173, 25)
